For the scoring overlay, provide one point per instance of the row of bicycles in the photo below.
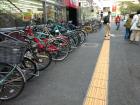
(92, 26)
(25, 53)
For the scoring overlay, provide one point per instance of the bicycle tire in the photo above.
(72, 43)
(37, 59)
(67, 41)
(82, 36)
(75, 38)
(46, 64)
(61, 54)
(31, 72)
(17, 72)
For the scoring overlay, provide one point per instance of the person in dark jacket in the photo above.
(107, 25)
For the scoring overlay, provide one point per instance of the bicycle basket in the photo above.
(12, 52)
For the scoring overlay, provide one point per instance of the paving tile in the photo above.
(93, 101)
(99, 83)
(99, 102)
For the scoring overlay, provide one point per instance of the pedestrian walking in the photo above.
(117, 21)
(101, 15)
(127, 26)
(107, 25)
(135, 36)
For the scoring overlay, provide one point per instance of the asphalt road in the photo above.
(66, 82)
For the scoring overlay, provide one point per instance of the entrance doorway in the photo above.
(72, 15)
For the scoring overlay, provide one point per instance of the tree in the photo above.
(131, 7)
(128, 7)
(123, 8)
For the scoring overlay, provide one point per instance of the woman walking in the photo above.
(135, 36)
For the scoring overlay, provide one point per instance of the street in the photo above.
(67, 82)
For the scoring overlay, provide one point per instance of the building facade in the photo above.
(40, 10)
(88, 10)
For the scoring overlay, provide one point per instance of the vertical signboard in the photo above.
(113, 8)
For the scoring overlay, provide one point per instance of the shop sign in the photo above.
(27, 16)
(72, 3)
(87, 3)
(113, 8)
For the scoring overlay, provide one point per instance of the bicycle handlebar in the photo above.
(3, 34)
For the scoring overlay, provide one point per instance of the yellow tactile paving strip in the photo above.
(97, 93)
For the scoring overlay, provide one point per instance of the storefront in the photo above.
(56, 13)
(55, 10)
(72, 10)
(39, 10)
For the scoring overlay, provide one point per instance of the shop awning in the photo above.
(72, 3)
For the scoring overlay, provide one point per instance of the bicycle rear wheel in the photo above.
(61, 54)
(13, 84)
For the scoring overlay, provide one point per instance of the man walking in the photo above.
(107, 25)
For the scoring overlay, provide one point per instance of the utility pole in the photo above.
(44, 12)
(80, 12)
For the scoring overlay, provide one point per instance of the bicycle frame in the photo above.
(5, 77)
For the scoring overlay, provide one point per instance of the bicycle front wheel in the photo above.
(13, 82)
(43, 60)
(29, 67)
